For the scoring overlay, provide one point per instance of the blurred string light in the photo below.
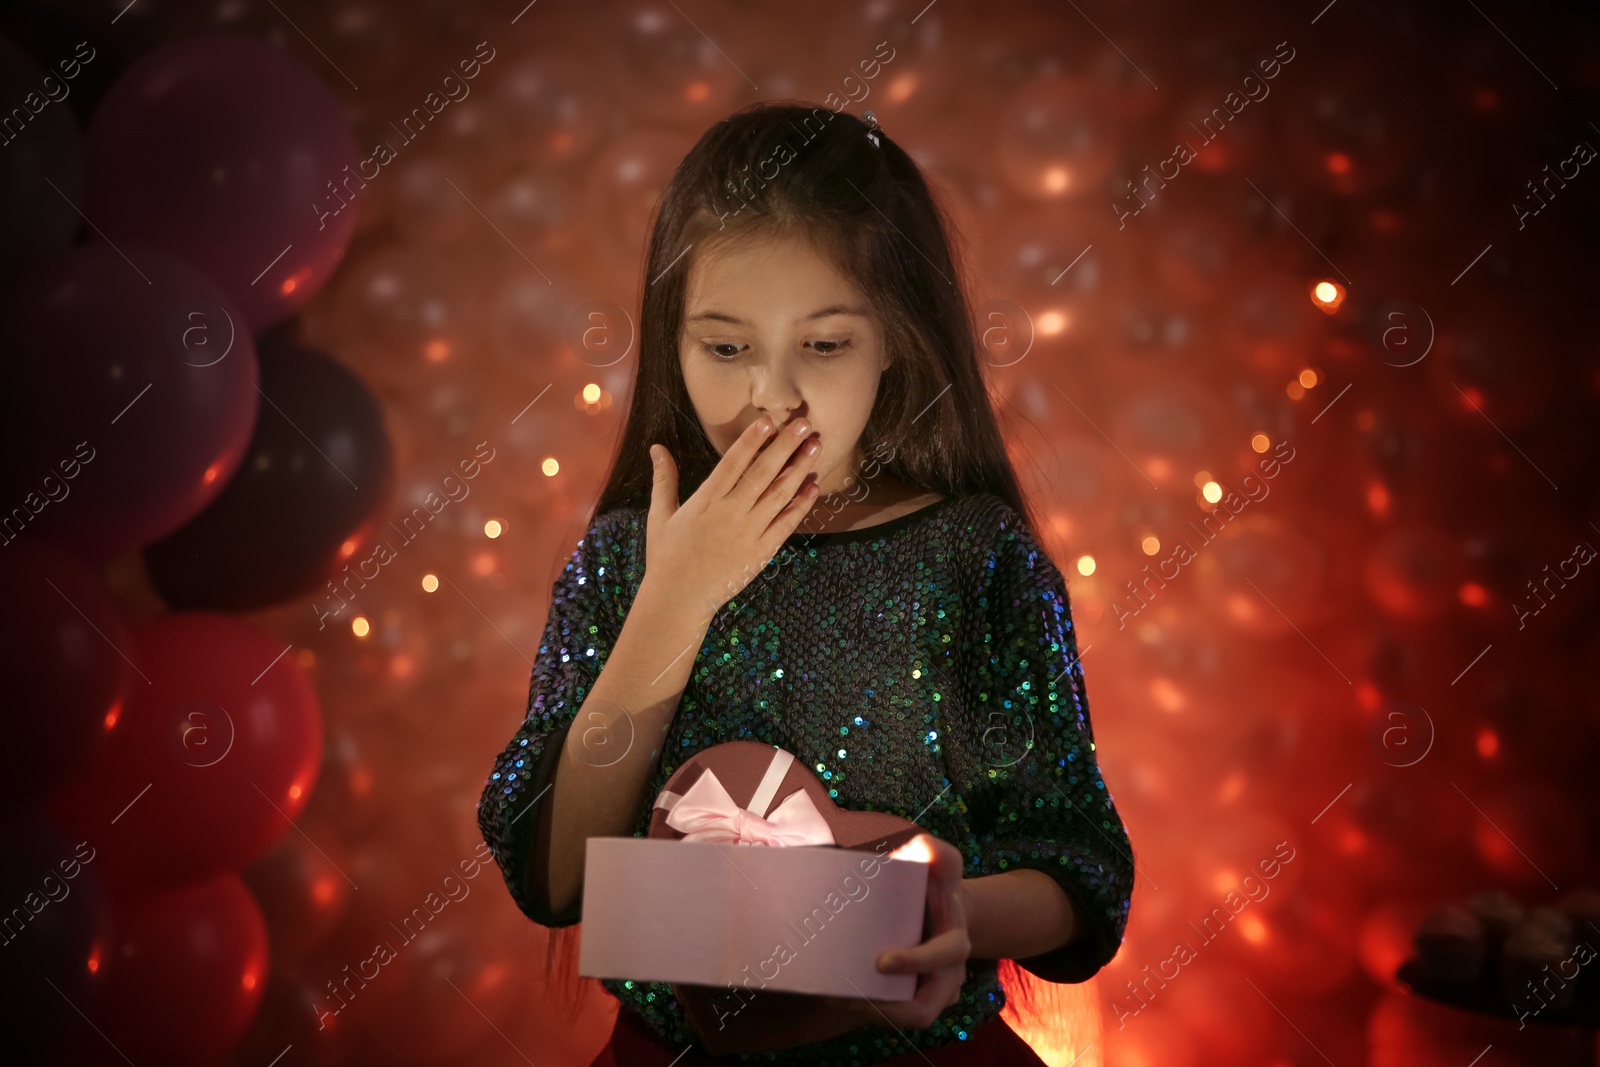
(430, 583)
(1053, 322)
(550, 467)
(1260, 442)
(493, 528)
(1327, 295)
(591, 393)
(1378, 498)
(360, 626)
(1307, 379)
(1086, 565)
(1212, 492)
(1151, 545)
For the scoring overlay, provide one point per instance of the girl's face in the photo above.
(772, 329)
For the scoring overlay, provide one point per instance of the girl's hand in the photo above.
(941, 959)
(714, 544)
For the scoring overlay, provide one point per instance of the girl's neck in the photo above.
(868, 503)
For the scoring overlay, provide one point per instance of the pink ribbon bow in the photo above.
(707, 813)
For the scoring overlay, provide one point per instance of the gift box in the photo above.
(751, 938)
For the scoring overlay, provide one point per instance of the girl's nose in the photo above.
(775, 393)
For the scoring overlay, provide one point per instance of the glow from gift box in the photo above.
(916, 850)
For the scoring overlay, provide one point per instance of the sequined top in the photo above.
(926, 666)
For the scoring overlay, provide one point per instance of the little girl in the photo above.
(812, 537)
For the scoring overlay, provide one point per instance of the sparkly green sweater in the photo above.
(927, 666)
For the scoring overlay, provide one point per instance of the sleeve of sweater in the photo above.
(1047, 806)
(514, 810)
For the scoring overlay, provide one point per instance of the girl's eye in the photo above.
(715, 349)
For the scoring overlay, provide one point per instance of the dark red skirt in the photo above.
(634, 1044)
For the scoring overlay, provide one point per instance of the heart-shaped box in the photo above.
(713, 906)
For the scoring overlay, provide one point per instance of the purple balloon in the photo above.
(128, 395)
(228, 153)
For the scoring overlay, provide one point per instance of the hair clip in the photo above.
(872, 128)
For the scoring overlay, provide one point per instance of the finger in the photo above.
(663, 486)
(933, 996)
(792, 515)
(787, 483)
(730, 469)
(766, 466)
(941, 950)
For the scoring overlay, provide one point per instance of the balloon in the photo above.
(302, 888)
(218, 755)
(132, 371)
(289, 1016)
(57, 933)
(191, 966)
(41, 164)
(232, 155)
(318, 469)
(64, 672)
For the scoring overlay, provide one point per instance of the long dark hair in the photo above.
(793, 168)
(789, 168)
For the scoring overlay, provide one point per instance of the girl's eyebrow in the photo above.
(835, 309)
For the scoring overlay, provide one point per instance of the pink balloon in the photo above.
(232, 155)
(131, 380)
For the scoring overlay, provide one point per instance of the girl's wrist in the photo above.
(670, 609)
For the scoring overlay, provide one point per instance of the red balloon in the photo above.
(191, 966)
(63, 670)
(292, 1013)
(219, 753)
(130, 386)
(303, 888)
(232, 155)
